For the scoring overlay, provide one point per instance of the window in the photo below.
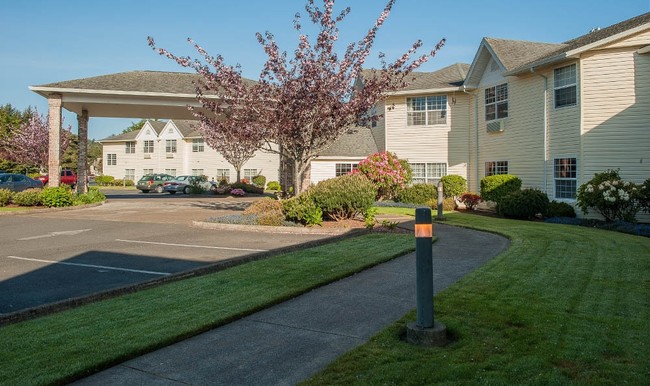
(496, 167)
(147, 171)
(428, 173)
(129, 174)
(496, 102)
(148, 146)
(197, 172)
(345, 168)
(130, 148)
(111, 159)
(171, 172)
(223, 174)
(198, 146)
(170, 146)
(431, 110)
(249, 174)
(565, 86)
(565, 173)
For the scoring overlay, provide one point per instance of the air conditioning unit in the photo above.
(496, 126)
(169, 155)
(147, 156)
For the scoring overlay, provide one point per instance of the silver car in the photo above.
(183, 184)
(18, 182)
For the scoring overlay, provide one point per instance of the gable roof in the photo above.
(516, 57)
(449, 78)
(158, 126)
(188, 128)
(356, 142)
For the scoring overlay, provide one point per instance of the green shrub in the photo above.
(453, 185)
(494, 188)
(104, 180)
(644, 195)
(302, 209)
(386, 172)
(524, 204)
(448, 204)
(29, 197)
(274, 185)
(418, 194)
(408, 171)
(248, 188)
(268, 212)
(559, 209)
(5, 196)
(610, 196)
(259, 180)
(93, 195)
(344, 197)
(120, 183)
(57, 197)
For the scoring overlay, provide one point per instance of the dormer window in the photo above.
(496, 102)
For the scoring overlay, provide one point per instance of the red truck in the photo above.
(68, 177)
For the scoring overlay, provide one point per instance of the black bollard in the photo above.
(424, 267)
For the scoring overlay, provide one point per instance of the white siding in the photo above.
(324, 169)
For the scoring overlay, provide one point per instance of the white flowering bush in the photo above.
(609, 195)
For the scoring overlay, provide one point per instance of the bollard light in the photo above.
(424, 267)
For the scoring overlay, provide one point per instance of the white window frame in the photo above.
(563, 82)
(428, 172)
(129, 147)
(129, 174)
(565, 178)
(147, 171)
(171, 172)
(198, 145)
(433, 108)
(223, 174)
(198, 172)
(111, 159)
(249, 174)
(170, 146)
(496, 97)
(493, 168)
(148, 146)
(343, 168)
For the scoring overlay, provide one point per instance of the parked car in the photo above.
(151, 182)
(18, 182)
(183, 184)
(68, 177)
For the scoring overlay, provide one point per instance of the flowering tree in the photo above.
(610, 196)
(28, 144)
(309, 101)
(386, 172)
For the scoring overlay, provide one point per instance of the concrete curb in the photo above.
(274, 229)
(49, 210)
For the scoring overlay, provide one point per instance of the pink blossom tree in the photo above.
(306, 102)
(28, 144)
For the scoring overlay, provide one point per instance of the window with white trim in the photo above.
(171, 172)
(565, 173)
(170, 146)
(223, 174)
(496, 167)
(130, 147)
(129, 174)
(147, 171)
(496, 102)
(249, 174)
(197, 172)
(111, 159)
(198, 146)
(147, 146)
(345, 168)
(565, 86)
(429, 110)
(428, 173)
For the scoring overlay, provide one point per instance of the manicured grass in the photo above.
(65, 346)
(563, 305)
(13, 208)
(395, 210)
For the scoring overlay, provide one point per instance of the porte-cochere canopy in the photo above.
(134, 94)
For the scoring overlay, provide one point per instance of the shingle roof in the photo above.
(357, 142)
(136, 81)
(450, 76)
(188, 129)
(130, 136)
(515, 53)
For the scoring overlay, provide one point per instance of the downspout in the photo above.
(476, 146)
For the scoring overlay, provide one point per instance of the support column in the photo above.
(82, 155)
(54, 102)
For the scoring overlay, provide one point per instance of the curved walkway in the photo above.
(290, 342)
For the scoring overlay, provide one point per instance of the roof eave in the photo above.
(45, 91)
(609, 39)
(426, 91)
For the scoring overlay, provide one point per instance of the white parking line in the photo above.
(54, 234)
(191, 246)
(91, 266)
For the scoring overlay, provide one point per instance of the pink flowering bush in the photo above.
(386, 172)
(238, 192)
(610, 196)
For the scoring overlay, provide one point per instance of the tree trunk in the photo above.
(238, 172)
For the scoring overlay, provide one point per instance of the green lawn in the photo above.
(563, 305)
(13, 208)
(65, 346)
(395, 210)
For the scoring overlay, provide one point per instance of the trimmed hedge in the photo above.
(560, 209)
(453, 185)
(29, 197)
(418, 194)
(344, 197)
(524, 204)
(495, 188)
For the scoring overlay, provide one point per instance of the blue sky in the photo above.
(46, 41)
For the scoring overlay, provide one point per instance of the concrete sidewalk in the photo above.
(290, 342)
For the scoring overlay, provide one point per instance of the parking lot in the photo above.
(57, 255)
